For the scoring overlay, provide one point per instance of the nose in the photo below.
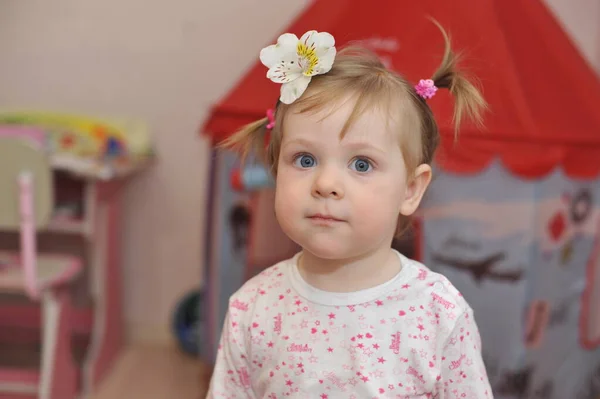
(328, 184)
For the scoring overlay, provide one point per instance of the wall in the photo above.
(165, 63)
(581, 20)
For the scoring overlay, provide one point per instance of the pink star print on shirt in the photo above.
(411, 337)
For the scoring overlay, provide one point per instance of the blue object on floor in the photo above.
(188, 322)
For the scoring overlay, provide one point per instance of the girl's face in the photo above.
(341, 197)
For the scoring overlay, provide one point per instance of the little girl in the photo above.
(350, 144)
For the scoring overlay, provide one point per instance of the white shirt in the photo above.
(413, 336)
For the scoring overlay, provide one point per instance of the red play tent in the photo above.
(544, 98)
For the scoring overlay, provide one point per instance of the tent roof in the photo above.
(544, 98)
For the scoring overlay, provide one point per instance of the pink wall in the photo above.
(581, 20)
(166, 63)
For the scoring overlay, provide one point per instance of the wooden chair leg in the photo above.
(58, 375)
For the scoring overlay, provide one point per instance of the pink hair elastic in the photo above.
(426, 88)
(271, 117)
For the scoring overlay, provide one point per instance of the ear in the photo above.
(415, 189)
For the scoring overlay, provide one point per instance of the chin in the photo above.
(326, 248)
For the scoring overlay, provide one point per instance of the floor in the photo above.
(154, 373)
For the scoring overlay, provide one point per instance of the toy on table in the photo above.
(87, 145)
(80, 135)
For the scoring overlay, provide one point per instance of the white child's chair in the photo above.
(26, 206)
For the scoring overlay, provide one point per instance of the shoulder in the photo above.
(260, 289)
(435, 289)
(434, 299)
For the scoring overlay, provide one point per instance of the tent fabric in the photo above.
(544, 98)
(525, 255)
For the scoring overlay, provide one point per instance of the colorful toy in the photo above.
(86, 136)
(92, 145)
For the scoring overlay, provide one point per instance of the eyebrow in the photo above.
(300, 141)
(361, 145)
(357, 145)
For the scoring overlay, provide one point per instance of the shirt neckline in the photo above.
(328, 298)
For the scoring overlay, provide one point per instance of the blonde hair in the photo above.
(359, 73)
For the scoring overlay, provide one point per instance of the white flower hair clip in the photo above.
(294, 62)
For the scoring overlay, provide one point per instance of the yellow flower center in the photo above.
(309, 55)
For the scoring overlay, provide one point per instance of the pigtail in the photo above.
(468, 99)
(249, 139)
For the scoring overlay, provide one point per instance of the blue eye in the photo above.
(305, 161)
(361, 165)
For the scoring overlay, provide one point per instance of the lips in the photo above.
(324, 218)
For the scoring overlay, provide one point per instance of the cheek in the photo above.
(292, 182)
(378, 206)
(384, 195)
(286, 194)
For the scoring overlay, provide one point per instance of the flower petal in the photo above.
(280, 74)
(315, 39)
(286, 69)
(322, 45)
(291, 91)
(325, 61)
(274, 53)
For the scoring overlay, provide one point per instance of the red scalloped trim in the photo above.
(524, 160)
